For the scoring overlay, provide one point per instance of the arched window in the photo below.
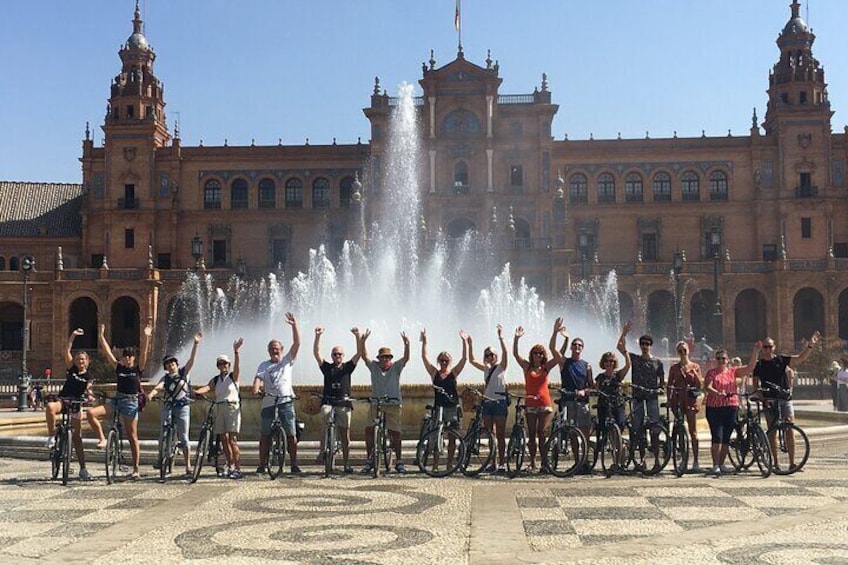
(461, 123)
(238, 194)
(606, 187)
(321, 193)
(662, 187)
(345, 191)
(294, 193)
(718, 186)
(460, 177)
(2, 263)
(212, 195)
(633, 187)
(578, 189)
(267, 193)
(13, 263)
(690, 187)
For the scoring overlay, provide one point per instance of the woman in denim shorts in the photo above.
(126, 397)
(494, 375)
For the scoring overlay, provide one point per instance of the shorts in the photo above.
(126, 405)
(227, 418)
(392, 413)
(451, 414)
(578, 413)
(342, 418)
(286, 414)
(495, 408)
(638, 413)
(179, 414)
(74, 411)
(539, 409)
(785, 410)
(684, 402)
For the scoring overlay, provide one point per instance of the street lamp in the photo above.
(715, 246)
(676, 268)
(196, 249)
(27, 265)
(241, 268)
(583, 245)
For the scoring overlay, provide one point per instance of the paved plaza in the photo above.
(414, 519)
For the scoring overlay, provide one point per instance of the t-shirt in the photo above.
(773, 371)
(575, 376)
(76, 383)
(688, 376)
(276, 379)
(609, 385)
(842, 377)
(536, 384)
(128, 379)
(176, 386)
(496, 377)
(386, 383)
(226, 389)
(724, 382)
(449, 397)
(337, 383)
(647, 373)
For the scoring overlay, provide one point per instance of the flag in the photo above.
(456, 16)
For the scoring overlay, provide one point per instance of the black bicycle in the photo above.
(167, 440)
(679, 433)
(277, 440)
(566, 450)
(208, 443)
(749, 443)
(60, 449)
(792, 440)
(651, 438)
(478, 440)
(440, 450)
(380, 439)
(332, 441)
(115, 460)
(609, 446)
(516, 447)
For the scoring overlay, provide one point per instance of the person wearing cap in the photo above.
(336, 392)
(227, 408)
(385, 381)
(128, 373)
(176, 387)
(274, 380)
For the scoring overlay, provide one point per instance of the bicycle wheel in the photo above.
(277, 453)
(385, 449)
(739, 449)
(113, 455)
(440, 452)
(657, 450)
(479, 452)
(377, 440)
(565, 451)
(787, 431)
(165, 450)
(56, 455)
(680, 450)
(329, 449)
(761, 451)
(200, 453)
(515, 452)
(611, 453)
(66, 439)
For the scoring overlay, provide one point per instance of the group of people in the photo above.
(687, 390)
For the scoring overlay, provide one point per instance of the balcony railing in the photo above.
(128, 203)
(806, 191)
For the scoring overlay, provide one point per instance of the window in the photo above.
(690, 187)
(163, 260)
(279, 252)
(128, 202)
(130, 111)
(321, 193)
(649, 247)
(840, 250)
(345, 191)
(13, 263)
(2, 263)
(806, 188)
(267, 193)
(806, 228)
(238, 195)
(516, 175)
(803, 99)
(718, 186)
(129, 238)
(212, 195)
(578, 189)
(769, 252)
(294, 193)
(96, 260)
(586, 244)
(606, 188)
(219, 252)
(633, 187)
(662, 187)
(460, 177)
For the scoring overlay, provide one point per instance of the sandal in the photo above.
(133, 476)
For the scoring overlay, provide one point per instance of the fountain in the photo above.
(391, 281)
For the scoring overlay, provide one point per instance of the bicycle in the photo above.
(115, 460)
(207, 448)
(437, 438)
(380, 449)
(516, 447)
(60, 450)
(679, 434)
(784, 428)
(565, 451)
(660, 445)
(749, 443)
(478, 440)
(609, 446)
(167, 441)
(277, 439)
(332, 441)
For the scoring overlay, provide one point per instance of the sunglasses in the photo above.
(338, 354)
(682, 351)
(768, 347)
(721, 358)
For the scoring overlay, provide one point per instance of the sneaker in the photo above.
(725, 470)
(501, 470)
(348, 469)
(84, 475)
(715, 471)
(51, 441)
(400, 468)
(189, 472)
(367, 469)
(695, 468)
(236, 474)
(295, 470)
(261, 470)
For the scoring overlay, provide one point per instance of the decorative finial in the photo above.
(201, 142)
(376, 86)
(105, 263)
(510, 222)
(754, 118)
(783, 246)
(422, 225)
(60, 262)
(647, 135)
(494, 215)
(727, 254)
(683, 255)
(560, 183)
(619, 135)
(729, 134)
(87, 132)
(544, 82)
(334, 141)
(595, 257)
(432, 60)
(150, 257)
(280, 141)
(591, 136)
(307, 141)
(488, 58)
(703, 133)
(253, 142)
(639, 256)
(225, 142)
(675, 134)
(830, 254)
(357, 188)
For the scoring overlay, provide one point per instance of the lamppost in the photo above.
(715, 247)
(676, 268)
(241, 268)
(196, 250)
(27, 265)
(583, 245)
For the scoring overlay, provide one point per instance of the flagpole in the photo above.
(457, 22)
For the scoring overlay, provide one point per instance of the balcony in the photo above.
(460, 188)
(128, 203)
(806, 191)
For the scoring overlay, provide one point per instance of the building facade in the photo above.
(731, 237)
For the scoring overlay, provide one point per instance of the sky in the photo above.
(265, 70)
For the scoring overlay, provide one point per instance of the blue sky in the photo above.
(269, 69)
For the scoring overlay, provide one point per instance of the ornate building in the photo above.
(733, 237)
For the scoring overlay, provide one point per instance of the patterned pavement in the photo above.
(412, 519)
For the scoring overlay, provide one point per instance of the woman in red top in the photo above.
(538, 398)
(722, 404)
(686, 373)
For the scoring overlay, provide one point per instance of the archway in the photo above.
(458, 228)
(125, 322)
(83, 314)
(661, 316)
(626, 310)
(749, 315)
(807, 313)
(702, 313)
(11, 326)
(843, 314)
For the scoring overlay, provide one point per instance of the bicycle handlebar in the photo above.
(481, 395)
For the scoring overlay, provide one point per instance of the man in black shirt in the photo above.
(337, 390)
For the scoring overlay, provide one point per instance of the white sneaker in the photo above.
(84, 475)
(727, 470)
(51, 441)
